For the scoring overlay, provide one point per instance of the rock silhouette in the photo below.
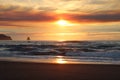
(4, 37)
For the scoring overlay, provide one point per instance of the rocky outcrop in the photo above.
(4, 37)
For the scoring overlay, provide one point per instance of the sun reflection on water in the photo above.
(60, 60)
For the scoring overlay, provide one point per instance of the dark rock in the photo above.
(4, 37)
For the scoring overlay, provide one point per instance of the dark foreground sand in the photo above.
(41, 71)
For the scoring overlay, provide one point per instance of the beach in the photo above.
(47, 71)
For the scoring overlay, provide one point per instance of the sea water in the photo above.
(67, 52)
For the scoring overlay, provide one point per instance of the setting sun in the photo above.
(63, 23)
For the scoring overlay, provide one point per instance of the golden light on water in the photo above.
(60, 60)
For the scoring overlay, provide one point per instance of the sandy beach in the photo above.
(46, 71)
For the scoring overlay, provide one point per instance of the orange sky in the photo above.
(41, 19)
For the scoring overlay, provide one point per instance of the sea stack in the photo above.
(5, 37)
(28, 38)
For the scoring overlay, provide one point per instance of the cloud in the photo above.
(98, 1)
(27, 16)
(47, 9)
(20, 13)
(8, 8)
(10, 24)
(47, 14)
(95, 17)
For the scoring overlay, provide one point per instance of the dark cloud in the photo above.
(17, 13)
(3, 24)
(109, 17)
(26, 16)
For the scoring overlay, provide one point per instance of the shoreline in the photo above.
(46, 71)
(53, 61)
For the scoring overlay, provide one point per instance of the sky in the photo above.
(60, 19)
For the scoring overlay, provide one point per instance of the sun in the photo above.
(63, 23)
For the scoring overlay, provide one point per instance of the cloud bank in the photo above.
(47, 14)
(91, 18)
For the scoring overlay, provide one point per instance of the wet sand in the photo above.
(42, 71)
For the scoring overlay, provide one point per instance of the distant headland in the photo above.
(5, 37)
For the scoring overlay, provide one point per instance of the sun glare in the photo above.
(60, 61)
(63, 23)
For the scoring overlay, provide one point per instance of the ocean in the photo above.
(61, 52)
